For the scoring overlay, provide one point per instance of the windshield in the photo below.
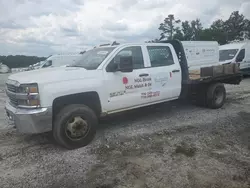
(228, 54)
(91, 59)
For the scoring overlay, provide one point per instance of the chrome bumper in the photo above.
(30, 120)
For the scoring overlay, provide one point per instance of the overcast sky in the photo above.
(44, 27)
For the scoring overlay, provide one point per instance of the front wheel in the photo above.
(75, 126)
(216, 95)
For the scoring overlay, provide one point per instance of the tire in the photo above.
(62, 121)
(216, 95)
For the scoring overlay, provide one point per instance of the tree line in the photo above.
(18, 61)
(235, 28)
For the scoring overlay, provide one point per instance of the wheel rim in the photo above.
(218, 96)
(76, 128)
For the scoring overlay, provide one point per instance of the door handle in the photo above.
(173, 71)
(143, 75)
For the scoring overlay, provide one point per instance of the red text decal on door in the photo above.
(170, 74)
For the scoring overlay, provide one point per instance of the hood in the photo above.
(57, 74)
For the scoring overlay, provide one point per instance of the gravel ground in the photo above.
(167, 145)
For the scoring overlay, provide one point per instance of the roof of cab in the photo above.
(155, 43)
(237, 45)
(130, 44)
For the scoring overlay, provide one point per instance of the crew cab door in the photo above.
(165, 72)
(124, 89)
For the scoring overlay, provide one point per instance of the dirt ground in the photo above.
(174, 144)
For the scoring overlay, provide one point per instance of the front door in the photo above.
(125, 90)
(165, 72)
(241, 59)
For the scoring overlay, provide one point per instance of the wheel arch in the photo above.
(90, 99)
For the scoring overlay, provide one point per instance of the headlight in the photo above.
(29, 96)
(24, 95)
(28, 88)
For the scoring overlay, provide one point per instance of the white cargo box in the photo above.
(201, 54)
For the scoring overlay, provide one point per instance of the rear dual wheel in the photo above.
(216, 95)
(212, 96)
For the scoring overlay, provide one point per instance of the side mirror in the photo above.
(126, 64)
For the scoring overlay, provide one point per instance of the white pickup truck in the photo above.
(110, 79)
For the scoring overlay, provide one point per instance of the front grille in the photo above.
(12, 98)
(13, 101)
(12, 88)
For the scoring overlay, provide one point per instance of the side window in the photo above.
(134, 51)
(160, 56)
(241, 56)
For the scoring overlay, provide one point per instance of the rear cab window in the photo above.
(160, 56)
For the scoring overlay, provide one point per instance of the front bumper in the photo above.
(30, 121)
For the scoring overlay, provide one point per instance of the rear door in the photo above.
(165, 72)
